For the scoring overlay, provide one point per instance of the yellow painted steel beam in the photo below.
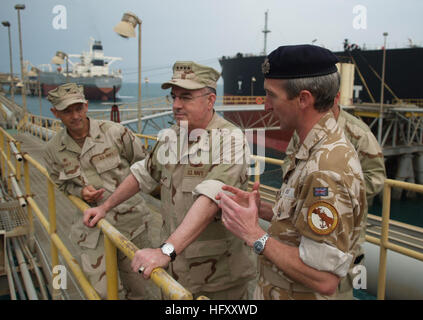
(28, 192)
(268, 160)
(86, 286)
(384, 241)
(38, 212)
(159, 276)
(111, 269)
(37, 165)
(405, 185)
(10, 165)
(366, 114)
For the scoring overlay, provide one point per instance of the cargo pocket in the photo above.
(68, 175)
(84, 236)
(207, 262)
(189, 184)
(107, 164)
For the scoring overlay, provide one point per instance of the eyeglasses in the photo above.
(184, 98)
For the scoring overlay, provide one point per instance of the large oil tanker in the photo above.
(242, 76)
(93, 72)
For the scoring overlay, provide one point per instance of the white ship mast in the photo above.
(265, 31)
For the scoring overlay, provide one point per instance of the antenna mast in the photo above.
(265, 31)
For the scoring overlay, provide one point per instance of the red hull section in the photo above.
(91, 93)
(274, 139)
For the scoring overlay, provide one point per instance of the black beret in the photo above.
(299, 61)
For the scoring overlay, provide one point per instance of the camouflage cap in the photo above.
(190, 75)
(65, 95)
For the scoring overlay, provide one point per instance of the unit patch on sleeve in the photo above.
(322, 218)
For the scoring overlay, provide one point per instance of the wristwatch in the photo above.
(258, 245)
(169, 250)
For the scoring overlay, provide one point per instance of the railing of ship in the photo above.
(10, 148)
(116, 240)
(129, 111)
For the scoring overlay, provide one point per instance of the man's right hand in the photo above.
(91, 194)
(93, 215)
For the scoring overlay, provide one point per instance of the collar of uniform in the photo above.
(322, 128)
(95, 132)
(341, 119)
(94, 136)
(66, 142)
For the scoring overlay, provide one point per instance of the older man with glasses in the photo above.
(201, 254)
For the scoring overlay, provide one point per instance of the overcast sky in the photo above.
(203, 30)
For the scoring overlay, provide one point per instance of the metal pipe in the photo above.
(382, 90)
(19, 7)
(384, 241)
(35, 267)
(12, 85)
(86, 286)
(111, 269)
(29, 285)
(18, 192)
(14, 273)
(15, 151)
(170, 287)
(10, 278)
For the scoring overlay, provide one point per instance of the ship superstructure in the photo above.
(92, 71)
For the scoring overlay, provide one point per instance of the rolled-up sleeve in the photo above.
(146, 182)
(324, 257)
(233, 174)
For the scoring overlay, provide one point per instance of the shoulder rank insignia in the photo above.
(322, 218)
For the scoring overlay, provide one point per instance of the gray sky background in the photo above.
(202, 30)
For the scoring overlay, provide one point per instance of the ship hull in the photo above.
(95, 88)
(404, 68)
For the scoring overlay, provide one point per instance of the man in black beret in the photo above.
(316, 219)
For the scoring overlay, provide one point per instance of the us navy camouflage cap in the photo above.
(65, 95)
(190, 75)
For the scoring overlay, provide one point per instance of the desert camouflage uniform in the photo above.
(103, 162)
(368, 150)
(217, 262)
(372, 164)
(319, 209)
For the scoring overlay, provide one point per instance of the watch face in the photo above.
(258, 247)
(167, 249)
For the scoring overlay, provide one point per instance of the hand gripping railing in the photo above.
(383, 242)
(113, 238)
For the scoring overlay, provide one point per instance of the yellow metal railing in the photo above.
(383, 242)
(113, 238)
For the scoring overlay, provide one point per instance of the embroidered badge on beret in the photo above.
(265, 67)
(322, 218)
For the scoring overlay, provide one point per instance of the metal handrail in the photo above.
(113, 238)
(383, 242)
